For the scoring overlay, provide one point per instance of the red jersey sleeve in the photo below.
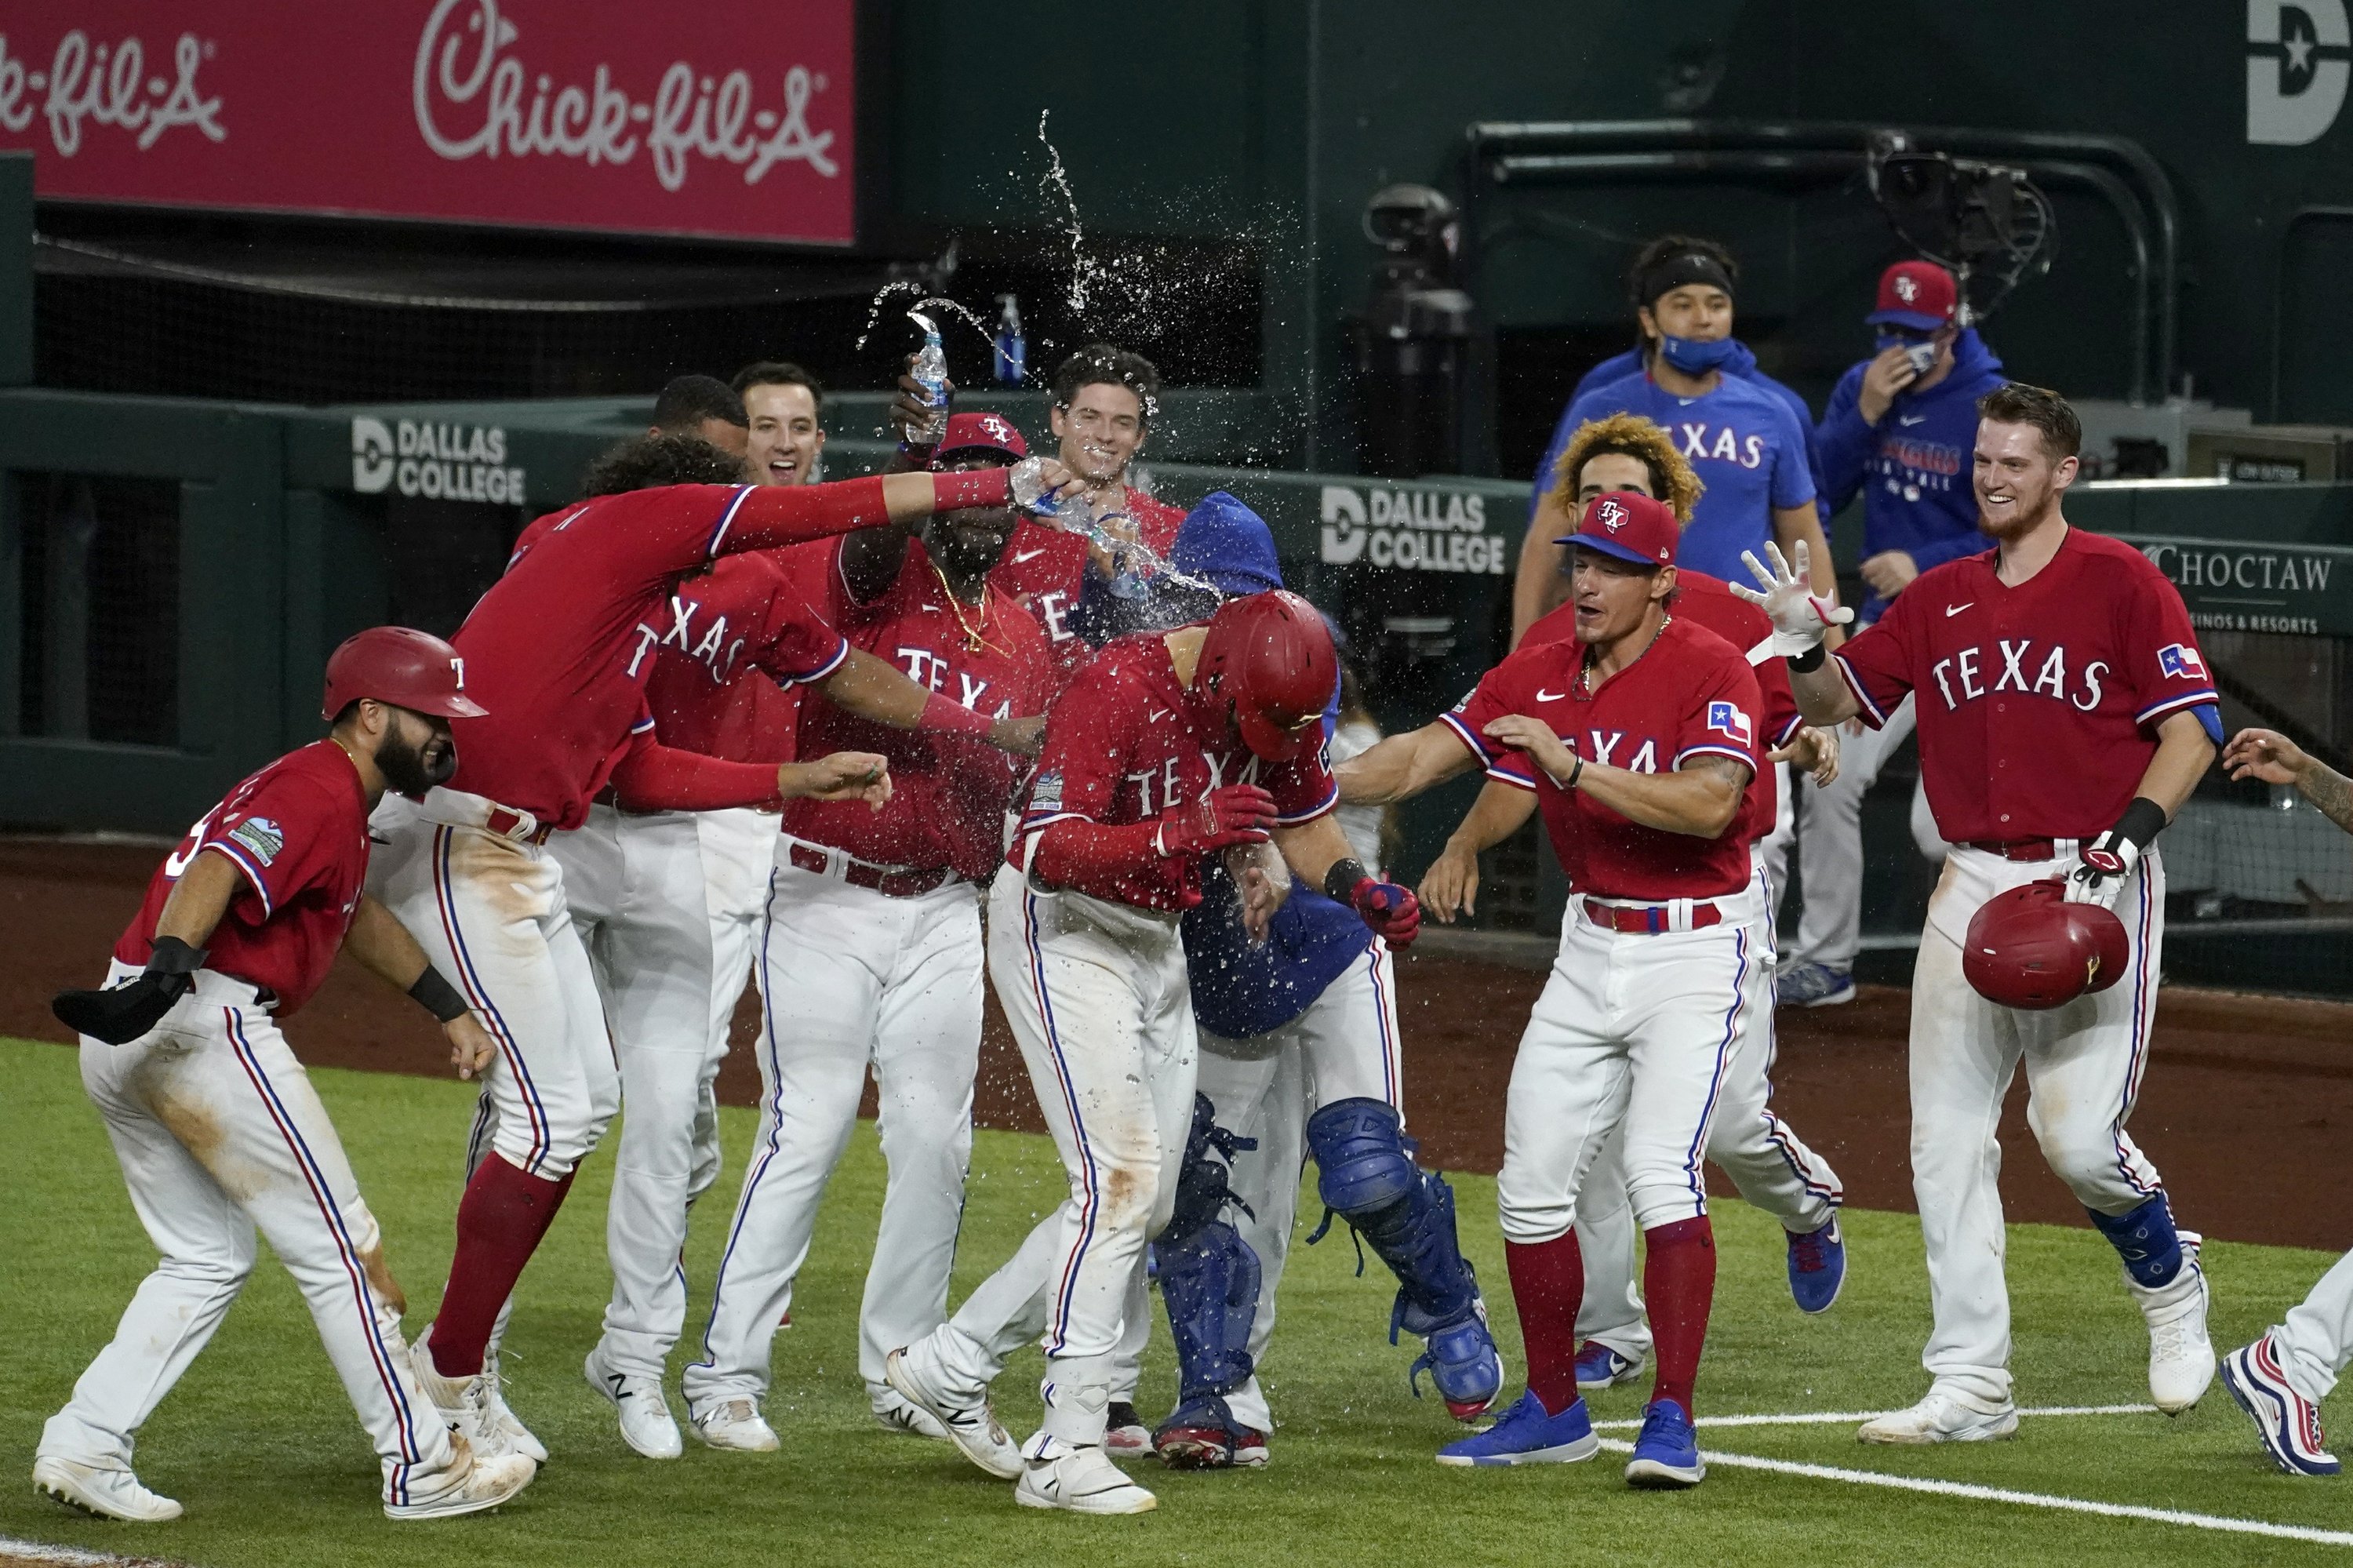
(2164, 669)
(1782, 719)
(1302, 786)
(1721, 717)
(784, 635)
(279, 837)
(1878, 662)
(1502, 690)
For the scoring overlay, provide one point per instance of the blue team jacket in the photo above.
(1619, 367)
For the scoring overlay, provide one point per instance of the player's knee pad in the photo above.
(1210, 1281)
(1363, 1164)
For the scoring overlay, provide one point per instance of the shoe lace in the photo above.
(1811, 1251)
(2172, 1340)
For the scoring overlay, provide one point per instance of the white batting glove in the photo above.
(1800, 616)
(2101, 868)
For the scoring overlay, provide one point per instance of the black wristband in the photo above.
(1340, 882)
(171, 956)
(2142, 821)
(1809, 662)
(439, 996)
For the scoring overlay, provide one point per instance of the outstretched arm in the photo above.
(872, 688)
(1699, 798)
(2272, 757)
(1403, 766)
(385, 949)
(1451, 883)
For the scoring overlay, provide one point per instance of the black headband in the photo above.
(1674, 271)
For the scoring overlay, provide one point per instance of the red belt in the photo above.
(505, 822)
(858, 874)
(2018, 849)
(1649, 918)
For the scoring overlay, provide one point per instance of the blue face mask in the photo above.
(1693, 357)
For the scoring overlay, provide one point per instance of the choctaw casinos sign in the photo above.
(726, 117)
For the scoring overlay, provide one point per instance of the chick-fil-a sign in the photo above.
(730, 117)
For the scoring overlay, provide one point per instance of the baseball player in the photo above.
(1299, 1055)
(2281, 1378)
(564, 643)
(1898, 435)
(1170, 747)
(871, 949)
(1773, 1167)
(703, 406)
(2064, 713)
(215, 1122)
(1651, 799)
(656, 898)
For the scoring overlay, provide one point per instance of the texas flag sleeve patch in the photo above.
(1727, 719)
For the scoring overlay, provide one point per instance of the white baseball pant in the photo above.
(1636, 1036)
(2316, 1341)
(855, 980)
(1345, 1046)
(1830, 851)
(2084, 1065)
(1768, 1162)
(1097, 996)
(489, 910)
(664, 948)
(219, 1135)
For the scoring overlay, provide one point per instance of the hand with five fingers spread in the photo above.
(1800, 617)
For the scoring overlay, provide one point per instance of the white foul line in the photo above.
(64, 1556)
(1845, 1417)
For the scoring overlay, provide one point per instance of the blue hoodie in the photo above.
(1619, 367)
(1913, 467)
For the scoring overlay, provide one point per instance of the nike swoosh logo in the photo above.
(1156, 714)
(1910, 418)
(1021, 556)
(1953, 609)
(1545, 696)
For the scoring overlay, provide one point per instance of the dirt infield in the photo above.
(2244, 1109)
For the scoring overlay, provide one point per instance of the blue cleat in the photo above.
(1817, 1266)
(1526, 1435)
(1599, 1366)
(1814, 985)
(2288, 1422)
(1666, 1456)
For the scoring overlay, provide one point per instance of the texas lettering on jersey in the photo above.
(1961, 675)
(712, 648)
(931, 670)
(1698, 438)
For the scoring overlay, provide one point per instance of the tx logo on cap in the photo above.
(1907, 289)
(998, 428)
(1610, 514)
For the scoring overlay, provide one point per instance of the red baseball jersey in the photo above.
(560, 649)
(2037, 706)
(1124, 744)
(949, 792)
(1709, 601)
(1043, 566)
(727, 632)
(298, 831)
(1690, 694)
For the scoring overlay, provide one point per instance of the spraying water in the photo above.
(1084, 268)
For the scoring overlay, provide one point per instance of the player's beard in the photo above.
(404, 766)
(2018, 520)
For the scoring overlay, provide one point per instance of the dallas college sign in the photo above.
(1418, 530)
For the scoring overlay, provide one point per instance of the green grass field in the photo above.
(259, 1445)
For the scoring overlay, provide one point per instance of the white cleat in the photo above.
(893, 1413)
(2180, 1356)
(968, 1421)
(1944, 1416)
(109, 1494)
(647, 1425)
(734, 1424)
(1081, 1480)
(519, 1438)
(468, 1485)
(465, 1403)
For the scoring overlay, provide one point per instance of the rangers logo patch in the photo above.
(1907, 288)
(2182, 661)
(1727, 719)
(261, 836)
(1610, 513)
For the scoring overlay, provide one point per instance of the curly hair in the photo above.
(643, 462)
(1628, 435)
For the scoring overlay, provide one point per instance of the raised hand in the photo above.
(1800, 617)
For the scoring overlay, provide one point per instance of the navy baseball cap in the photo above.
(1630, 527)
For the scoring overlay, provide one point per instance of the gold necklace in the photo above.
(975, 632)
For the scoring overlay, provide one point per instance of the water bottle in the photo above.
(1012, 348)
(1130, 575)
(931, 373)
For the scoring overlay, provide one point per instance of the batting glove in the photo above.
(1800, 617)
(1393, 912)
(1228, 815)
(2102, 867)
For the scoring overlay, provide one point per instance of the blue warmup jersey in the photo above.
(1748, 449)
(1239, 989)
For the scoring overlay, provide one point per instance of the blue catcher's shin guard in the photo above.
(1210, 1278)
(1367, 1174)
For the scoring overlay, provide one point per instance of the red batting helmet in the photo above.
(2029, 948)
(1271, 656)
(396, 664)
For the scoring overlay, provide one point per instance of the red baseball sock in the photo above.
(1547, 1285)
(1679, 1279)
(500, 1223)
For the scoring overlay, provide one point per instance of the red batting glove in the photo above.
(1232, 814)
(1393, 912)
